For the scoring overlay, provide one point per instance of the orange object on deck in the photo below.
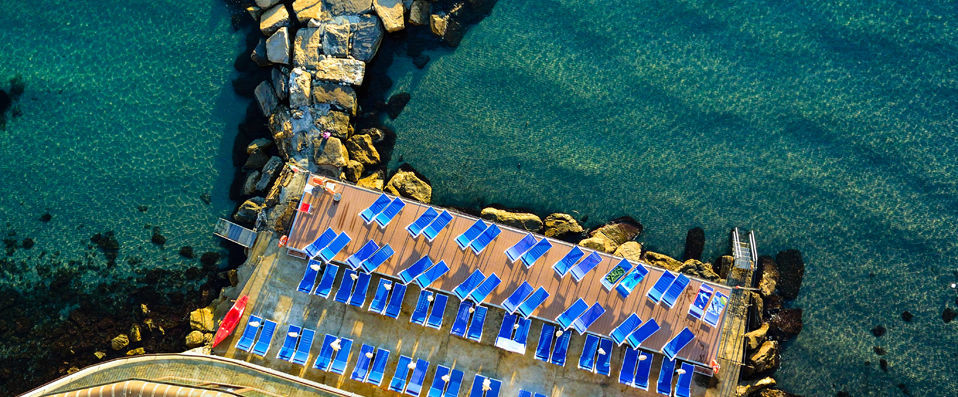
(283, 240)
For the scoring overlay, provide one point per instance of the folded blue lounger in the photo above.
(395, 300)
(697, 308)
(245, 342)
(361, 369)
(358, 298)
(563, 265)
(346, 286)
(533, 302)
(342, 357)
(389, 212)
(369, 265)
(475, 326)
(677, 343)
(437, 225)
(321, 242)
(640, 335)
(368, 249)
(675, 290)
(439, 384)
(655, 293)
(627, 371)
(398, 383)
(715, 309)
(422, 308)
(468, 285)
(587, 359)
(309, 277)
(582, 323)
(536, 252)
(264, 339)
(603, 358)
(483, 290)
(470, 234)
(477, 386)
(683, 386)
(486, 237)
(544, 347)
(432, 274)
(625, 328)
(664, 386)
(631, 280)
(572, 313)
(289, 344)
(378, 305)
(375, 208)
(422, 221)
(641, 380)
(560, 349)
(326, 282)
(414, 387)
(616, 274)
(331, 250)
(520, 294)
(462, 319)
(520, 247)
(379, 367)
(415, 269)
(302, 349)
(438, 309)
(585, 266)
(326, 351)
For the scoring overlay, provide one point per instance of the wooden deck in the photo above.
(343, 216)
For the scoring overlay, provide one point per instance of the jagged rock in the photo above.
(256, 160)
(366, 35)
(233, 277)
(559, 224)
(756, 337)
(619, 230)
(407, 184)
(376, 134)
(724, 265)
(749, 389)
(765, 359)
(694, 244)
(520, 220)
(419, 12)
(361, 149)
(331, 153)
(264, 4)
(340, 70)
(336, 37)
(391, 13)
(336, 123)
(194, 339)
(136, 351)
(273, 19)
(777, 393)
(341, 96)
(342, 7)
(258, 145)
(307, 48)
(300, 83)
(269, 172)
(630, 250)
(372, 181)
(266, 98)
(438, 23)
(258, 55)
(202, 319)
(353, 171)
(277, 46)
(99, 355)
(396, 104)
(770, 276)
(599, 243)
(454, 32)
(119, 342)
(249, 210)
(308, 9)
(758, 303)
(696, 268)
(792, 269)
(254, 12)
(662, 260)
(787, 322)
(280, 80)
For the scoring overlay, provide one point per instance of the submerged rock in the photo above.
(558, 224)
(948, 315)
(694, 244)
(272, 19)
(391, 13)
(792, 269)
(906, 316)
(157, 238)
(396, 104)
(878, 331)
(520, 220)
(787, 322)
(277, 46)
(186, 251)
(407, 184)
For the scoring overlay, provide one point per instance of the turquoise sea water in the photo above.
(829, 127)
(126, 104)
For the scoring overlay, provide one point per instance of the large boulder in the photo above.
(264, 4)
(343, 7)
(300, 83)
(349, 71)
(361, 149)
(662, 260)
(341, 96)
(366, 33)
(419, 12)
(619, 230)
(307, 48)
(308, 9)
(755, 338)
(786, 322)
(336, 123)
(438, 23)
(630, 250)
(202, 319)
(763, 360)
(194, 339)
(249, 210)
(792, 270)
(258, 55)
(336, 37)
(119, 342)
(265, 97)
(694, 244)
(407, 184)
(696, 268)
(273, 19)
(599, 243)
(391, 13)
(280, 78)
(558, 224)
(353, 171)
(769, 275)
(277, 46)
(749, 389)
(520, 220)
(330, 153)
(249, 185)
(374, 181)
(269, 172)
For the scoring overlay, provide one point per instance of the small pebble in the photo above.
(878, 331)
(906, 315)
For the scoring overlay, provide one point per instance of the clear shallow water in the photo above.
(826, 127)
(127, 104)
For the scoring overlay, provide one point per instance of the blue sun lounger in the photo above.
(625, 328)
(683, 386)
(398, 383)
(603, 360)
(585, 266)
(587, 359)
(533, 302)
(422, 308)
(309, 277)
(358, 298)
(321, 242)
(631, 280)
(512, 324)
(441, 387)
(265, 337)
(655, 293)
(346, 286)
(627, 371)
(560, 349)
(544, 347)
(325, 357)
(536, 252)
(524, 393)
(563, 265)
(415, 228)
(415, 269)
(641, 379)
(379, 367)
(342, 357)
(520, 247)
(373, 262)
(571, 313)
(483, 290)
(582, 323)
(361, 369)
(432, 274)
(331, 250)
(375, 208)
(289, 344)
(326, 282)
(640, 335)
(438, 309)
(475, 326)
(390, 212)
(368, 249)
(437, 225)
(302, 349)
(414, 387)
(470, 234)
(468, 285)
(245, 342)
(671, 294)
(395, 300)
(486, 237)
(715, 309)
(520, 294)
(378, 305)
(596, 355)
(697, 308)
(461, 322)
(616, 274)
(666, 372)
(476, 391)
(677, 343)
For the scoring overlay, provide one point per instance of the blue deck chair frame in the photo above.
(401, 376)
(683, 386)
(615, 274)
(264, 339)
(563, 265)
(289, 344)
(666, 371)
(537, 251)
(373, 262)
(441, 221)
(582, 323)
(438, 310)
(561, 349)
(325, 357)
(461, 323)
(483, 290)
(642, 372)
(333, 249)
(533, 302)
(627, 370)
(422, 308)
(342, 357)
(414, 270)
(662, 284)
(482, 241)
(631, 280)
(520, 294)
(381, 298)
(678, 342)
(544, 346)
(603, 358)
(309, 277)
(358, 298)
(468, 285)
(395, 300)
(476, 324)
(375, 376)
(363, 363)
(671, 294)
(587, 358)
(432, 274)
(520, 247)
(253, 325)
(346, 286)
(375, 208)
(321, 242)
(494, 386)
(571, 313)
(326, 282)
(415, 228)
(622, 331)
(440, 387)
(585, 266)
(305, 344)
(697, 307)
(367, 250)
(642, 333)
(464, 239)
(390, 212)
(414, 387)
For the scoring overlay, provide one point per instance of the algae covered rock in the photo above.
(407, 184)
(558, 224)
(194, 339)
(374, 181)
(630, 250)
(520, 220)
(662, 260)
